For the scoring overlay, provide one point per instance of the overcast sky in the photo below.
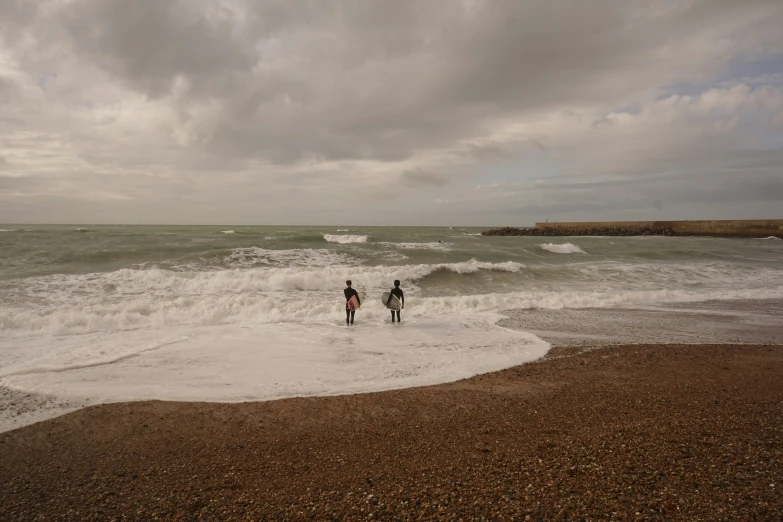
(472, 112)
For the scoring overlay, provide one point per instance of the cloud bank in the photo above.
(369, 112)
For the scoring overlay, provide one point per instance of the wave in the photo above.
(769, 238)
(564, 248)
(583, 299)
(132, 298)
(227, 232)
(237, 303)
(8, 229)
(420, 246)
(255, 256)
(344, 238)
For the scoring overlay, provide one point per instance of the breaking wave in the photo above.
(344, 238)
(419, 246)
(134, 298)
(257, 256)
(564, 248)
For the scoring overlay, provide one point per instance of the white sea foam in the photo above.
(161, 299)
(7, 229)
(564, 248)
(227, 232)
(344, 238)
(230, 364)
(254, 256)
(129, 299)
(206, 346)
(433, 245)
(774, 238)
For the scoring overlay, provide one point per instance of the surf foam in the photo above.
(253, 256)
(344, 238)
(228, 364)
(564, 248)
(421, 246)
(150, 298)
(158, 299)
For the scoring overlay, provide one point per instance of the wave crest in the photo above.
(344, 238)
(564, 248)
(419, 246)
(257, 256)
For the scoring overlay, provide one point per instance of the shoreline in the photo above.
(707, 322)
(735, 321)
(669, 432)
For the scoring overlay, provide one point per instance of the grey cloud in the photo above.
(149, 43)
(677, 193)
(376, 79)
(15, 17)
(192, 99)
(419, 178)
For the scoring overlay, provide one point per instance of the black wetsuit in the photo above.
(350, 292)
(397, 292)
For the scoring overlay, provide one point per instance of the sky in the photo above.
(403, 112)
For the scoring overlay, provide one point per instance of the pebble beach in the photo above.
(640, 432)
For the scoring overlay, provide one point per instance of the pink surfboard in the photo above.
(353, 303)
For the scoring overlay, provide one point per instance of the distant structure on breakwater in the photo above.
(720, 228)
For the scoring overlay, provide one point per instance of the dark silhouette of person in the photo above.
(396, 292)
(349, 312)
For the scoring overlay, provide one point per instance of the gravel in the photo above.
(642, 432)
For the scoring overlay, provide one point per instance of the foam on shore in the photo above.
(269, 361)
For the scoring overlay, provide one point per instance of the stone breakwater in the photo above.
(645, 230)
(741, 228)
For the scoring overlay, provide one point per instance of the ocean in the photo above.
(92, 314)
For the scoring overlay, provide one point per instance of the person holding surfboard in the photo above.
(396, 292)
(352, 302)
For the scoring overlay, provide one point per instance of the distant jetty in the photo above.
(751, 228)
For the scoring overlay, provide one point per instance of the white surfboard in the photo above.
(391, 304)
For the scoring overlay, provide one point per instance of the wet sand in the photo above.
(749, 321)
(643, 432)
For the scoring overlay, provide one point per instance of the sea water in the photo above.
(93, 314)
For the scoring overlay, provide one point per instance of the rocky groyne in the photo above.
(644, 230)
(737, 228)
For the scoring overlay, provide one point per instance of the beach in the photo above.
(642, 432)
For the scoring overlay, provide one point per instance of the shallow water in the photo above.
(95, 314)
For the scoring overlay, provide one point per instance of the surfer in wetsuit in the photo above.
(396, 292)
(349, 312)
